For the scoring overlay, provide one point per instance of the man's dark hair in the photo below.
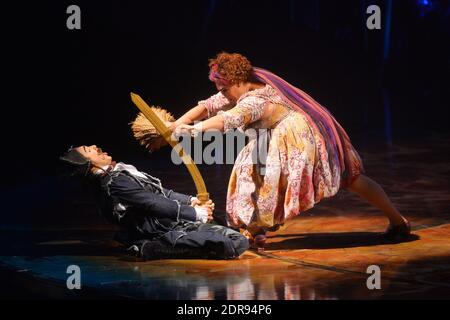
(77, 164)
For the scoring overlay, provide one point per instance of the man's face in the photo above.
(96, 155)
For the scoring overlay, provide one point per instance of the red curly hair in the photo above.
(234, 67)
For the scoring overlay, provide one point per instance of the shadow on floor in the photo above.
(421, 279)
(331, 240)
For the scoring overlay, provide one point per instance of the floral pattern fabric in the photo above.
(295, 174)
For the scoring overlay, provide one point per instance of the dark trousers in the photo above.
(221, 241)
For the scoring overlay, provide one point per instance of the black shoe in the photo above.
(398, 232)
(133, 250)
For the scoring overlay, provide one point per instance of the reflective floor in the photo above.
(322, 254)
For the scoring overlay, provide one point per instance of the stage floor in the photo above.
(322, 254)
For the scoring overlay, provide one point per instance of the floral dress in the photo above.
(294, 173)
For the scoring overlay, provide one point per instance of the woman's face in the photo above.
(232, 92)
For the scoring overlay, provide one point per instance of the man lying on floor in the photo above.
(155, 222)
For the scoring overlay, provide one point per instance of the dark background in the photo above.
(69, 87)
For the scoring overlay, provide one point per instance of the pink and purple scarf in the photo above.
(339, 147)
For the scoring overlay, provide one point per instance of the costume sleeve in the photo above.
(183, 198)
(215, 104)
(129, 192)
(248, 110)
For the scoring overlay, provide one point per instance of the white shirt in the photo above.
(130, 168)
(122, 166)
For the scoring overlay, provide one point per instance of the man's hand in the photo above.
(203, 214)
(195, 202)
(208, 207)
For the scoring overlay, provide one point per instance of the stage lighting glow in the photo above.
(425, 6)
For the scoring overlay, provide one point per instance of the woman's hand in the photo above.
(171, 125)
(183, 129)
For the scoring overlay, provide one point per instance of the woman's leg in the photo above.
(372, 192)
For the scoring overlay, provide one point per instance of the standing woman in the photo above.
(309, 155)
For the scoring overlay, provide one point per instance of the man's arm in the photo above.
(182, 198)
(129, 192)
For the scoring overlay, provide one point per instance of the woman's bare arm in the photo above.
(197, 113)
(213, 123)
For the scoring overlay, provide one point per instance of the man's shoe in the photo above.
(133, 250)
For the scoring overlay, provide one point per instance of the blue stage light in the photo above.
(425, 6)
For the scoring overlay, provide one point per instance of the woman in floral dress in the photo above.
(308, 154)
